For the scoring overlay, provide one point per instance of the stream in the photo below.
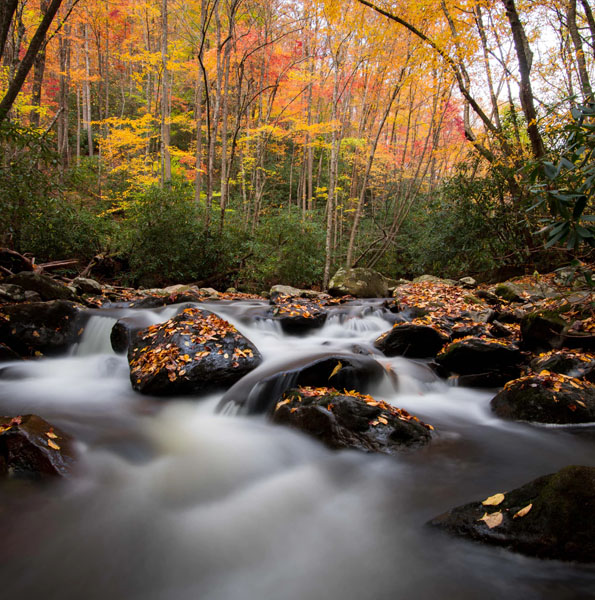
(173, 501)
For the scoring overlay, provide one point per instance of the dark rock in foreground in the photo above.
(546, 398)
(195, 352)
(550, 517)
(46, 287)
(481, 362)
(40, 327)
(412, 340)
(542, 330)
(350, 420)
(31, 448)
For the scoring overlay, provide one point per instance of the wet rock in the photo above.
(297, 315)
(31, 448)
(195, 352)
(358, 282)
(546, 398)
(11, 293)
(542, 330)
(550, 517)
(481, 362)
(489, 297)
(579, 340)
(149, 302)
(46, 287)
(7, 354)
(581, 366)
(84, 285)
(350, 420)
(258, 392)
(278, 292)
(125, 330)
(40, 327)
(412, 340)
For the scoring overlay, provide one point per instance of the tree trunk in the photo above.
(165, 108)
(578, 50)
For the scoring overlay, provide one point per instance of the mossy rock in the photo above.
(550, 517)
(358, 282)
(509, 292)
(542, 330)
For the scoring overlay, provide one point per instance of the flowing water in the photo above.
(173, 501)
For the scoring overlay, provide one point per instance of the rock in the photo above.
(212, 294)
(84, 285)
(509, 292)
(30, 447)
(468, 282)
(551, 398)
(11, 293)
(278, 292)
(490, 362)
(7, 354)
(40, 327)
(258, 392)
(358, 282)
(149, 302)
(489, 297)
(231, 290)
(542, 330)
(350, 420)
(579, 339)
(31, 296)
(412, 340)
(45, 286)
(125, 330)
(298, 316)
(581, 366)
(433, 279)
(554, 517)
(195, 352)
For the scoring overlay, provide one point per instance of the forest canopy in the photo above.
(252, 142)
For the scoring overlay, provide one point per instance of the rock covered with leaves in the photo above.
(31, 448)
(550, 517)
(546, 398)
(576, 364)
(420, 338)
(193, 353)
(350, 420)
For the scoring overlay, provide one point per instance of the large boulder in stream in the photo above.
(358, 282)
(550, 517)
(481, 362)
(46, 287)
(258, 392)
(40, 327)
(297, 315)
(195, 352)
(31, 448)
(418, 339)
(546, 398)
(350, 420)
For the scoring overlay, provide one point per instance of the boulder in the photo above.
(286, 291)
(11, 293)
(40, 327)
(509, 292)
(258, 392)
(297, 315)
(546, 398)
(468, 282)
(542, 330)
(434, 279)
(490, 362)
(581, 366)
(125, 330)
(412, 340)
(358, 282)
(46, 287)
(31, 448)
(350, 420)
(195, 352)
(84, 285)
(550, 517)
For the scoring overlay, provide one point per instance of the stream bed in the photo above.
(173, 501)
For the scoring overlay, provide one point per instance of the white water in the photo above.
(174, 502)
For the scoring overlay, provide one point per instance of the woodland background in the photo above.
(252, 142)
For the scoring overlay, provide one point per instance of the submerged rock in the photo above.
(550, 517)
(40, 327)
(30, 447)
(195, 352)
(546, 398)
(358, 282)
(350, 420)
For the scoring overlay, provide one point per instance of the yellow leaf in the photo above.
(383, 420)
(336, 369)
(523, 511)
(493, 500)
(282, 403)
(53, 445)
(52, 435)
(492, 520)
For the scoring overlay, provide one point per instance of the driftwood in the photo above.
(56, 264)
(12, 262)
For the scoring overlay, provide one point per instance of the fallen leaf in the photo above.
(336, 369)
(282, 403)
(492, 520)
(53, 445)
(523, 511)
(493, 500)
(51, 434)
(383, 420)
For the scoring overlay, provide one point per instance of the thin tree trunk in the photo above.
(579, 52)
(165, 107)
